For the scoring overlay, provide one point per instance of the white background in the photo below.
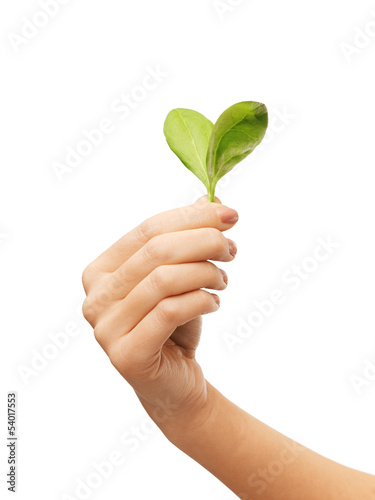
(313, 178)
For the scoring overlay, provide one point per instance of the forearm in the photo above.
(255, 461)
(145, 298)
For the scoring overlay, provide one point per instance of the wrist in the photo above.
(193, 421)
(182, 423)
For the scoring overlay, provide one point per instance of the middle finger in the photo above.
(194, 245)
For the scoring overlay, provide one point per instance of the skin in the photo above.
(145, 301)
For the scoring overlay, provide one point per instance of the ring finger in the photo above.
(165, 281)
(195, 245)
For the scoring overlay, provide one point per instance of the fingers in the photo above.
(196, 245)
(163, 282)
(147, 338)
(201, 214)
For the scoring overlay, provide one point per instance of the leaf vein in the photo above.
(195, 147)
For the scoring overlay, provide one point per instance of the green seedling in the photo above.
(211, 151)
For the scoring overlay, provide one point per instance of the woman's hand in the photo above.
(145, 300)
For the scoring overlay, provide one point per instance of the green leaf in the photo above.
(235, 135)
(188, 134)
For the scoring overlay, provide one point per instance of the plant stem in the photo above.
(211, 193)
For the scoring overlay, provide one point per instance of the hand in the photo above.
(145, 301)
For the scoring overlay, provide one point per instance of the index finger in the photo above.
(202, 214)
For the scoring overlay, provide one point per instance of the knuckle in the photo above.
(194, 214)
(205, 299)
(212, 273)
(216, 240)
(88, 309)
(167, 311)
(146, 230)
(206, 302)
(151, 250)
(211, 269)
(99, 333)
(161, 279)
(91, 274)
(219, 278)
(125, 359)
(94, 304)
(155, 249)
(87, 276)
(203, 213)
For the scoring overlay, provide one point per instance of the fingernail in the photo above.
(225, 276)
(216, 298)
(227, 215)
(232, 247)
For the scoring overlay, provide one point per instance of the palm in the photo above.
(183, 379)
(187, 336)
